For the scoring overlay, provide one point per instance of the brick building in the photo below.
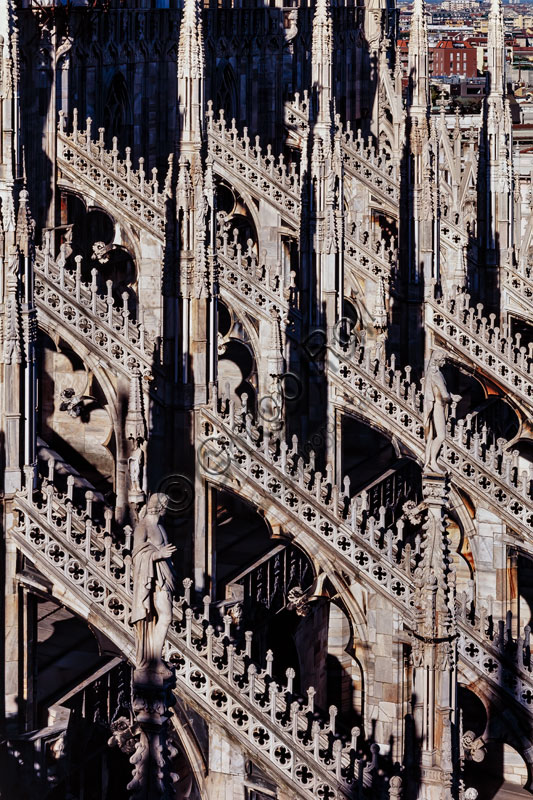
(455, 58)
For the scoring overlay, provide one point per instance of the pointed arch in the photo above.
(226, 94)
(117, 114)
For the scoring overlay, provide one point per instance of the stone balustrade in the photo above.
(121, 188)
(297, 114)
(367, 254)
(243, 275)
(518, 281)
(281, 728)
(292, 486)
(452, 234)
(493, 651)
(262, 174)
(61, 294)
(74, 549)
(372, 167)
(482, 343)
(477, 464)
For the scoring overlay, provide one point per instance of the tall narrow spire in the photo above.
(9, 60)
(321, 60)
(191, 73)
(419, 59)
(496, 49)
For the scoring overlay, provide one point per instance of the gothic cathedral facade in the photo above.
(266, 408)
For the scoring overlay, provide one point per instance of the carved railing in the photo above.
(110, 331)
(518, 281)
(494, 652)
(78, 553)
(242, 275)
(367, 254)
(454, 236)
(487, 347)
(282, 730)
(371, 167)
(360, 158)
(264, 176)
(378, 391)
(299, 495)
(85, 163)
(297, 114)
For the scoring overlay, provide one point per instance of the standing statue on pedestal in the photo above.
(153, 588)
(437, 401)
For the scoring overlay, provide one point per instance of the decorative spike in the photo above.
(332, 717)
(269, 660)
(273, 694)
(187, 583)
(188, 626)
(207, 606)
(227, 625)
(209, 631)
(248, 636)
(291, 674)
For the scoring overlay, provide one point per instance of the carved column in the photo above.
(434, 650)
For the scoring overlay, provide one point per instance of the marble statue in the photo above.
(135, 467)
(153, 586)
(437, 400)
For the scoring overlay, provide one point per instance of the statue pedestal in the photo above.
(152, 700)
(157, 677)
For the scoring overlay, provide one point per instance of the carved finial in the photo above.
(25, 224)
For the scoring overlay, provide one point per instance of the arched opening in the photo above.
(371, 462)
(489, 410)
(344, 679)
(235, 222)
(90, 233)
(237, 371)
(492, 737)
(73, 418)
(524, 447)
(242, 537)
(501, 775)
(262, 584)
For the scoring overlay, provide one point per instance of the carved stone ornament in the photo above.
(474, 747)
(123, 735)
